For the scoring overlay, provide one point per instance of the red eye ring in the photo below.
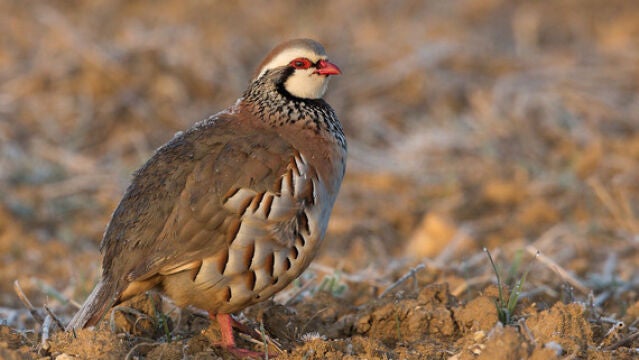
(301, 63)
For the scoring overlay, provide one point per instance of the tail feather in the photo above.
(96, 305)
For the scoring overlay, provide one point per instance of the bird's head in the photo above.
(299, 67)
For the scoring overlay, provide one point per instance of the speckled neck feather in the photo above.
(268, 100)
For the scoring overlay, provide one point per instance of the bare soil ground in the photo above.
(506, 125)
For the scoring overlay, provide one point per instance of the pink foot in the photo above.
(226, 323)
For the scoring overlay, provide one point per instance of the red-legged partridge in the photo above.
(230, 211)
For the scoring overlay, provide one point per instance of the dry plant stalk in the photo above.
(54, 317)
(563, 273)
(23, 298)
(410, 274)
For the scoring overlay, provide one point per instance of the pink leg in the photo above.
(226, 328)
(228, 341)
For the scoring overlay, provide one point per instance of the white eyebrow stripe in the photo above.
(287, 55)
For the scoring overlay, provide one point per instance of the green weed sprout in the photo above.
(506, 306)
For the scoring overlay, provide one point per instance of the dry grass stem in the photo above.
(23, 298)
(45, 333)
(565, 275)
(131, 354)
(409, 275)
(626, 340)
(57, 321)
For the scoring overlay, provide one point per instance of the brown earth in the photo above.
(506, 125)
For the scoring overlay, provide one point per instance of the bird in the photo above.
(230, 211)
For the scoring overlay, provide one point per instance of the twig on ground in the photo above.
(23, 298)
(256, 336)
(548, 262)
(526, 330)
(265, 342)
(264, 339)
(46, 330)
(613, 332)
(411, 274)
(55, 318)
(623, 341)
(130, 355)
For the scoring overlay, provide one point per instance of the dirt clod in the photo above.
(565, 325)
(480, 314)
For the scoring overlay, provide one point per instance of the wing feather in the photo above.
(185, 201)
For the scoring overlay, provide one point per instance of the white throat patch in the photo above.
(306, 85)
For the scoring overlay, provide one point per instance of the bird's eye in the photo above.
(301, 63)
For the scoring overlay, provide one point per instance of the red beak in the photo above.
(324, 67)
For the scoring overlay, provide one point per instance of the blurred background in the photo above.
(471, 124)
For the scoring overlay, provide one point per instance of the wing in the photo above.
(174, 212)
